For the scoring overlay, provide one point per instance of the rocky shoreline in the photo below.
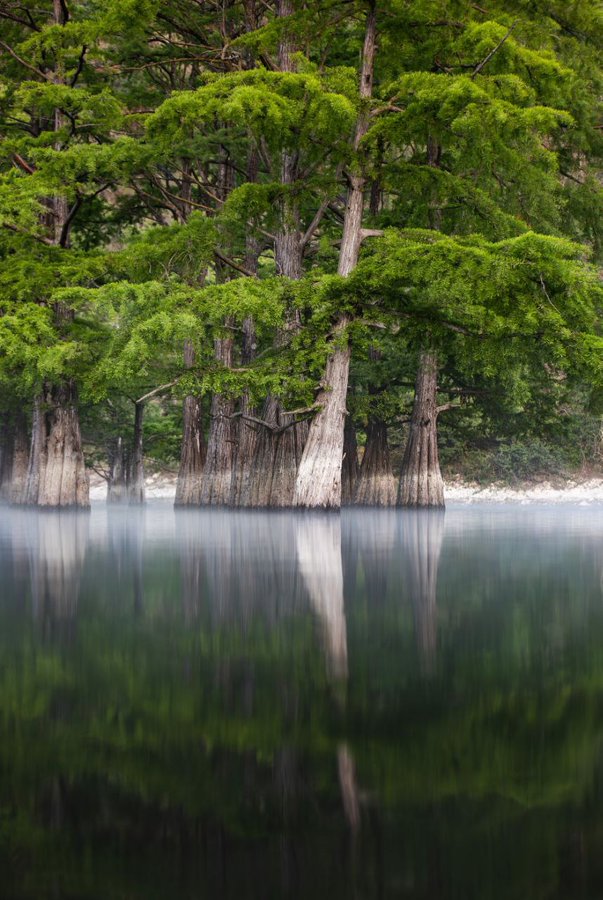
(162, 486)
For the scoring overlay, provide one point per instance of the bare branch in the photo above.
(370, 232)
(314, 223)
(234, 265)
(155, 391)
(445, 407)
(24, 62)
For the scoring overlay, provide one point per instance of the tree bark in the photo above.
(277, 449)
(14, 458)
(318, 482)
(218, 477)
(56, 474)
(349, 466)
(117, 484)
(136, 474)
(421, 483)
(218, 472)
(194, 450)
(376, 483)
(248, 434)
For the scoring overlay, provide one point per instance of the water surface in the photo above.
(254, 705)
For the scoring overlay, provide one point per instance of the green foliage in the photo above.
(151, 159)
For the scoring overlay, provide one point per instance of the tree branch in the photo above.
(234, 265)
(487, 59)
(445, 407)
(157, 390)
(314, 223)
(24, 62)
(80, 66)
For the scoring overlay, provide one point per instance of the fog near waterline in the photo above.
(282, 558)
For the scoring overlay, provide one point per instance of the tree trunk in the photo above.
(218, 479)
(278, 451)
(376, 483)
(218, 472)
(56, 474)
(421, 483)
(194, 450)
(319, 476)
(117, 485)
(136, 473)
(6, 455)
(248, 433)
(255, 491)
(349, 466)
(14, 458)
(287, 449)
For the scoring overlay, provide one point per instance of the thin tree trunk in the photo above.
(349, 466)
(318, 482)
(421, 483)
(248, 434)
(194, 450)
(117, 484)
(136, 474)
(218, 477)
(376, 483)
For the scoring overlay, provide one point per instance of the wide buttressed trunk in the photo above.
(287, 448)
(14, 457)
(421, 483)
(194, 449)
(56, 474)
(318, 483)
(278, 450)
(376, 483)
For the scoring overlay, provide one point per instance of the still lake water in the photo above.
(254, 705)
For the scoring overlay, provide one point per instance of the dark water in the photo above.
(216, 705)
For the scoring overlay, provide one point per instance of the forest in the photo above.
(302, 250)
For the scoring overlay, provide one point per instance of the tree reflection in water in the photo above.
(421, 539)
(255, 705)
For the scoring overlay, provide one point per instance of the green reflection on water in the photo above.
(255, 706)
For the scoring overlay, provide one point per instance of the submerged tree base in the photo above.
(421, 482)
